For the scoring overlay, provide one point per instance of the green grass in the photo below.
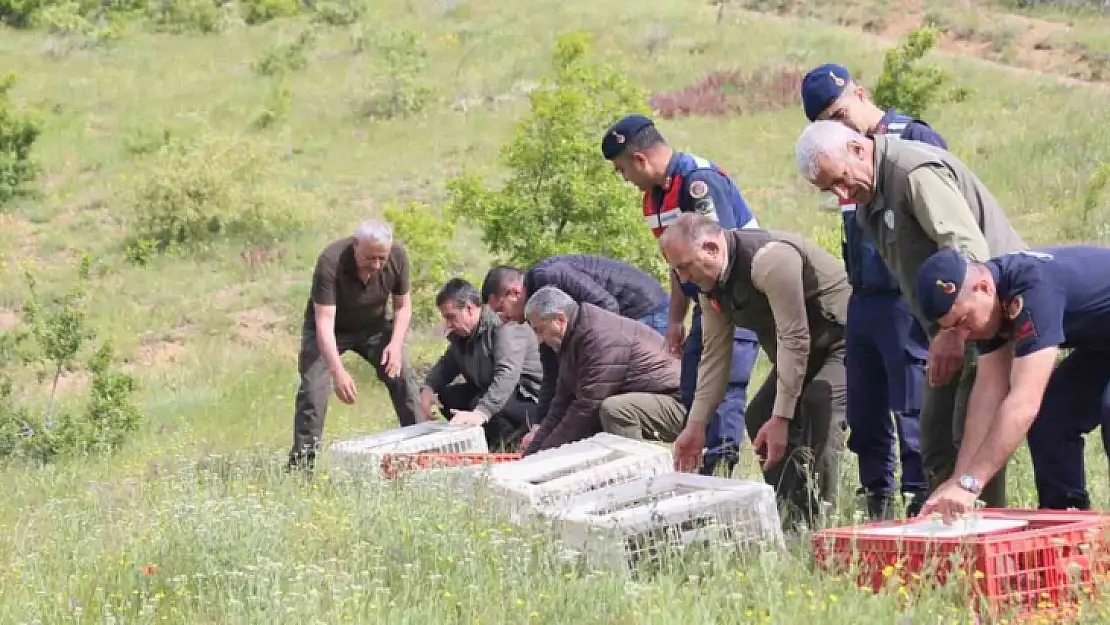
(199, 494)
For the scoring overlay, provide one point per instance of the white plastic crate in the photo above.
(630, 524)
(554, 475)
(365, 452)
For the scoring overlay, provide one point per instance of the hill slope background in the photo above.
(192, 520)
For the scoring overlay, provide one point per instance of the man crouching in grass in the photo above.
(499, 364)
(355, 280)
(615, 374)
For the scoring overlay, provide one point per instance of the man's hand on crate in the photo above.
(951, 501)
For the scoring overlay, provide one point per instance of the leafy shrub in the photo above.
(338, 12)
(195, 193)
(433, 258)
(19, 13)
(277, 105)
(184, 16)
(286, 58)
(262, 11)
(405, 93)
(53, 342)
(561, 196)
(18, 133)
(74, 26)
(732, 92)
(907, 85)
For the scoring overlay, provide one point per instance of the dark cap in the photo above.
(821, 86)
(612, 144)
(939, 282)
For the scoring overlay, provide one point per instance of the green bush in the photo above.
(286, 58)
(433, 258)
(52, 341)
(561, 196)
(18, 133)
(19, 13)
(339, 12)
(208, 190)
(262, 11)
(907, 85)
(405, 93)
(74, 25)
(185, 16)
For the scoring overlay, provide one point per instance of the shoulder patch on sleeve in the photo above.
(1014, 306)
(704, 206)
(1025, 331)
(699, 189)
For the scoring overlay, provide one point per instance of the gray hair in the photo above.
(822, 137)
(548, 302)
(691, 229)
(376, 231)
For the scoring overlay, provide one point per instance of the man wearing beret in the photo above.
(1021, 309)
(886, 347)
(674, 183)
(912, 199)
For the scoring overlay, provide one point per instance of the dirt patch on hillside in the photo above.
(9, 319)
(160, 353)
(258, 325)
(70, 382)
(1026, 43)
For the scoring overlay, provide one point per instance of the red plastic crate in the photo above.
(393, 464)
(1044, 568)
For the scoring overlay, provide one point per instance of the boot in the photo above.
(914, 500)
(727, 456)
(301, 462)
(879, 507)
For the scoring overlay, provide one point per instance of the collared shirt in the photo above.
(925, 199)
(499, 359)
(358, 304)
(1054, 296)
(794, 298)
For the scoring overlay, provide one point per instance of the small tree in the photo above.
(53, 341)
(909, 86)
(432, 256)
(404, 59)
(59, 330)
(18, 132)
(561, 196)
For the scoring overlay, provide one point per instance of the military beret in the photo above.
(939, 282)
(612, 144)
(821, 86)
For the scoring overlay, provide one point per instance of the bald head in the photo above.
(690, 229)
(696, 249)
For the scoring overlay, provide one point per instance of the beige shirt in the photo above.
(943, 213)
(777, 273)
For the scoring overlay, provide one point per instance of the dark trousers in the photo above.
(816, 436)
(316, 384)
(725, 433)
(886, 374)
(504, 429)
(1076, 401)
(942, 430)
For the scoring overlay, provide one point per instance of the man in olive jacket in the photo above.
(913, 199)
(794, 296)
(499, 364)
(615, 374)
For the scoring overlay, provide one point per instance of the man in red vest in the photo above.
(673, 183)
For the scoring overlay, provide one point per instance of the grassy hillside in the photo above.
(193, 521)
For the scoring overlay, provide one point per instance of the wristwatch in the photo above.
(970, 484)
